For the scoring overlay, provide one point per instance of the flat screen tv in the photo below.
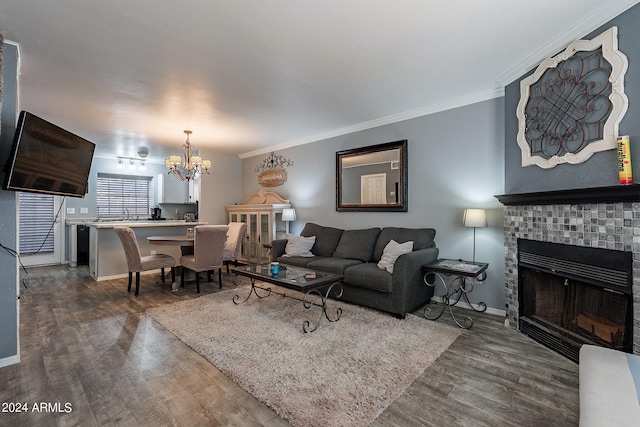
(48, 159)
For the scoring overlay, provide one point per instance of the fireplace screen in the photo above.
(582, 312)
(570, 296)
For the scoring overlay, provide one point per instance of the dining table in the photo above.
(185, 241)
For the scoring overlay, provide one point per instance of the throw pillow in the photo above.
(391, 253)
(327, 238)
(299, 246)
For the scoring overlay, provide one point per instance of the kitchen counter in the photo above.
(140, 224)
(110, 223)
(106, 255)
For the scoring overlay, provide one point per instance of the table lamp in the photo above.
(288, 214)
(474, 218)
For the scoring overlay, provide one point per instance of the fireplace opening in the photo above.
(570, 296)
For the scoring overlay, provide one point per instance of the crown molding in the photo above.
(606, 12)
(411, 114)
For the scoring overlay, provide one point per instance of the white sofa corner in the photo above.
(609, 394)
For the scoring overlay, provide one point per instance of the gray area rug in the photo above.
(343, 374)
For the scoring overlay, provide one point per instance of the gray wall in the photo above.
(455, 162)
(8, 224)
(223, 187)
(601, 168)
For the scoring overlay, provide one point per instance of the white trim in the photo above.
(608, 41)
(411, 114)
(8, 361)
(606, 12)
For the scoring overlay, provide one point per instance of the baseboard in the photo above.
(463, 304)
(8, 361)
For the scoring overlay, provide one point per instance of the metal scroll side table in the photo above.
(465, 275)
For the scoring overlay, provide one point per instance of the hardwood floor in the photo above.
(90, 345)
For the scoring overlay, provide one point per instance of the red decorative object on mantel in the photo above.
(624, 160)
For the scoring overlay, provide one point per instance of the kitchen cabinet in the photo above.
(193, 192)
(262, 212)
(172, 190)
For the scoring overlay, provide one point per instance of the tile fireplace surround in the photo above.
(604, 217)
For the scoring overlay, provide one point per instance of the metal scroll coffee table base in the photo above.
(299, 279)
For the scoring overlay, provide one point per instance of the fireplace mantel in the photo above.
(612, 194)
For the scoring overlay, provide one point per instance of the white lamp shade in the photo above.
(474, 218)
(173, 161)
(288, 214)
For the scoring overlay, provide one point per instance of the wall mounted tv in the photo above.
(48, 159)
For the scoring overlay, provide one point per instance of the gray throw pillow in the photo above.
(299, 246)
(422, 238)
(327, 238)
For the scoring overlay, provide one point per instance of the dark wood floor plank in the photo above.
(91, 344)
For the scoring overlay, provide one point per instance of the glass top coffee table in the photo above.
(299, 279)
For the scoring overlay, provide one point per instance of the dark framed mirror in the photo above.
(373, 178)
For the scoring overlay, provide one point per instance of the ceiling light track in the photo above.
(131, 163)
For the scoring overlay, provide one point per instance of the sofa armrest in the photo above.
(608, 392)
(277, 248)
(409, 291)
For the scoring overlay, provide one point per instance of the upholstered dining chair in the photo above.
(137, 263)
(208, 247)
(233, 244)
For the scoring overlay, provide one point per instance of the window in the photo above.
(37, 217)
(122, 195)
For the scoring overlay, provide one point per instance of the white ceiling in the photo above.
(249, 76)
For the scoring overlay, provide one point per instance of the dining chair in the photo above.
(137, 263)
(233, 244)
(208, 247)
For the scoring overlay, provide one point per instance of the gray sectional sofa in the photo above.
(356, 253)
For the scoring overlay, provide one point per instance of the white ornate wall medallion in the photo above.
(571, 106)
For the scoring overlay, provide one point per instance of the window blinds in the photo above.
(36, 223)
(118, 195)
